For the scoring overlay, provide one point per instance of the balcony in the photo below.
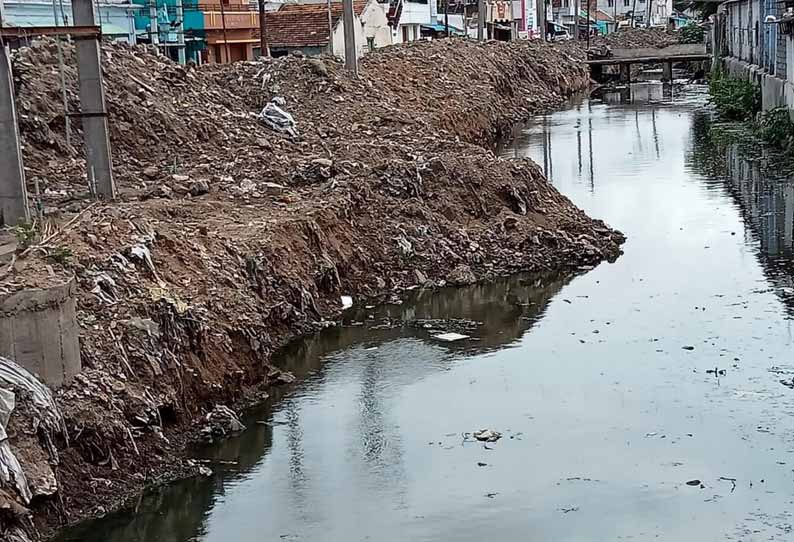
(237, 16)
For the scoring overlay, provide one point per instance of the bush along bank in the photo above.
(231, 237)
(740, 100)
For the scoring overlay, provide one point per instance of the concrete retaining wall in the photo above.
(775, 92)
(38, 330)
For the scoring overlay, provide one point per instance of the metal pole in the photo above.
(481, 20)
(633, 9)
(350, 37)
(13, 194)
(263, 48)
(180, 37)
(225, 37)
(92, 105)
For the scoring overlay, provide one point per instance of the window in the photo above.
(641, 1)
(565, 3)
(371, 43)
(610, 3)
(626, 3)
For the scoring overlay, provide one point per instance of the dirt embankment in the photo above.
(632, 38)
(230, 238)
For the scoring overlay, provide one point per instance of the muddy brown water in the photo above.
(605, 415)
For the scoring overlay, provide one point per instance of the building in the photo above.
(406, 18)
(304, 27)
(646, 12)
(754, 40)
(231, 29)
(178, 27)
(117, 18)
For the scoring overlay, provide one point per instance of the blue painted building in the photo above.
(169, 27)
(116, 18)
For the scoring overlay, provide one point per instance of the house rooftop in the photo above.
(305, 25)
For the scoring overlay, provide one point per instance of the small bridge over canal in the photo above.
(666, 56)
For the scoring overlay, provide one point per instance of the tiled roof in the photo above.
(305, 25)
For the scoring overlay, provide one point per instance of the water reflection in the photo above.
(764, 196)
(605, 415)
(496, 314)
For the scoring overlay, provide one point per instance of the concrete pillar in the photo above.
(625, 73)
(481, 20)
(351, 62)
(92, 106)
(667, 71)
(180, 37)
(39, 331)
(13, 195)
(154, 29)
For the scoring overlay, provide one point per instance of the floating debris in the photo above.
(450, 337)
(487, 435)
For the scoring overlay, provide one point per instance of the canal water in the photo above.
(641, 400)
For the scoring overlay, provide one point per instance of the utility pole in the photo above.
(446, 17)
(13, 194)
(92, 106)
(588, 23)
(154, 31)
(540, 15)
(351, 63)
(330, 31)
(576, 20)
(633, 15)
(225, 36)
(263, 48)
(180, 37)
(67, 118)
(481, 20)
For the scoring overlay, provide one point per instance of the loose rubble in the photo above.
(230, 236)
(629, 38)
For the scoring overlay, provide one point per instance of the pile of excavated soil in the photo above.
(231, 238)
(632, 38)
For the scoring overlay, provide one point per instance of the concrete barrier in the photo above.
(38, 330)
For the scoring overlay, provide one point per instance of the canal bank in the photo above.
(221, 250)
(640, 400)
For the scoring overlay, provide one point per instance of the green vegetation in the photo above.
(25, 233)
(734, 99)
(775, 128)
(691, 33)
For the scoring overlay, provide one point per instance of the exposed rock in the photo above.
(199, 188)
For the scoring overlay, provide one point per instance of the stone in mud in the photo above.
(199, 188)
(462, 275)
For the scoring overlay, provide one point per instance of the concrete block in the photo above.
(39, 330)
